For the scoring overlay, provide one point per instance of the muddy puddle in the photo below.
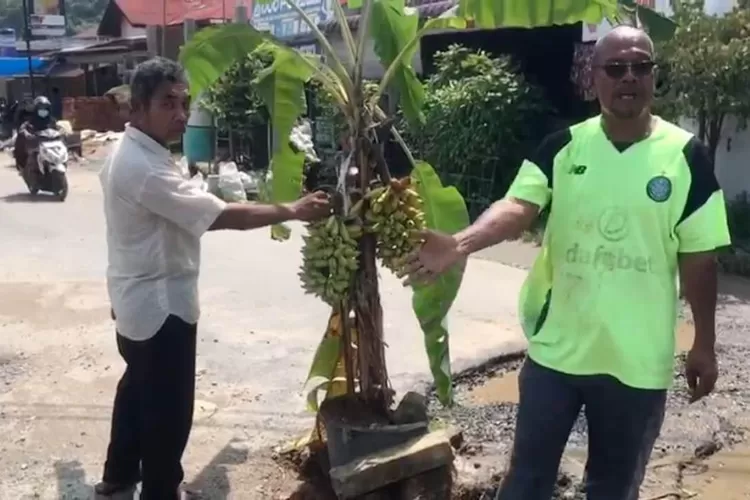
(502, 387)
(726, 476)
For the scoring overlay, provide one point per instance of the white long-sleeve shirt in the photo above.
(155, 219)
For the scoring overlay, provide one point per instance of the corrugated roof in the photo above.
(152, 12)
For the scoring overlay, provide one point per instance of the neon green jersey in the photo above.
(602, 296)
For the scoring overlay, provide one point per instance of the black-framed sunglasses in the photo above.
(617, 70)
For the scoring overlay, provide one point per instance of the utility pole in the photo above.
(164, 30)
(27, 37)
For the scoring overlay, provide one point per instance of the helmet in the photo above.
(42, 107)
(42, 102)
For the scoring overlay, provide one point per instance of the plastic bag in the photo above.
(230, 183)
(248, 183)
(301, 139)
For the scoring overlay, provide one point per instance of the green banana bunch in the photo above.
(396, 217)
(330, 257)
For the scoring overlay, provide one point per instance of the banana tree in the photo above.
(376, 217)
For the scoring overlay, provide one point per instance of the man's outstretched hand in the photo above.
(312, 207)
(438, 253)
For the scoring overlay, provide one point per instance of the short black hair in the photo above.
(149, 75)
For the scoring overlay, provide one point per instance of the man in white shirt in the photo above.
(155, 219)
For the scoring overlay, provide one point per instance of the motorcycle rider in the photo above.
(41, 119)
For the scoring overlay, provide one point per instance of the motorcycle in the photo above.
(47, 165)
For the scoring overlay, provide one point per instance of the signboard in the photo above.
(47, 18)
(47, 7)
(279, 19)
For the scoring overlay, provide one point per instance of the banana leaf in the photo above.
(213, 50)
(489, 14)
(392, 27)
(282, 88)
(325, 362)
(445, 211)
(396, 52)
(322, 370)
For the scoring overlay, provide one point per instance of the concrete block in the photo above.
(435, 484)
(375, 471)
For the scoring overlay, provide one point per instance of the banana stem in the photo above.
(346, 339)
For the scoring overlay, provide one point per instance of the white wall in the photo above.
(732, 157)
(719, 7)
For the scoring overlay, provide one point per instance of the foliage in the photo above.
(234, 99)
(531, 14)
(480, 118)
(431, 304)
(326, 109)
(706, 68)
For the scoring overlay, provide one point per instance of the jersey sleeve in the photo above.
(533, 182)
(703, 225)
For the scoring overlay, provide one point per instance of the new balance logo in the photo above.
(577, 170)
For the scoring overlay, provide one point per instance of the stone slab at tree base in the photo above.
(387, 467)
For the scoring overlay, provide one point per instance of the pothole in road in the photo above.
(486, 400)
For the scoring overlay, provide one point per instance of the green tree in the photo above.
(233, 99)
(706, 69)
(480, 117)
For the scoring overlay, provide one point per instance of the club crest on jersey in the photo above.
(659, 188)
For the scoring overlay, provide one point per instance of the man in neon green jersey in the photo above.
(633, 201)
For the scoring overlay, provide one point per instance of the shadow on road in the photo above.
(29, 198)
(213, 480)
(733, 290)
(71, 481)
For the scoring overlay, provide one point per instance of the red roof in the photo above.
(152, 12)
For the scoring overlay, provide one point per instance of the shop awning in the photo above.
(11, 66)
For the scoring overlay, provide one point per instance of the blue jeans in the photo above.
(623, 424)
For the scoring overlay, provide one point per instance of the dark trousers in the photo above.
(153, 411)
(623, 424)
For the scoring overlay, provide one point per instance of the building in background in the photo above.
(163, 20)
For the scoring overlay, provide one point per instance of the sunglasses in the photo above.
(619, 69)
